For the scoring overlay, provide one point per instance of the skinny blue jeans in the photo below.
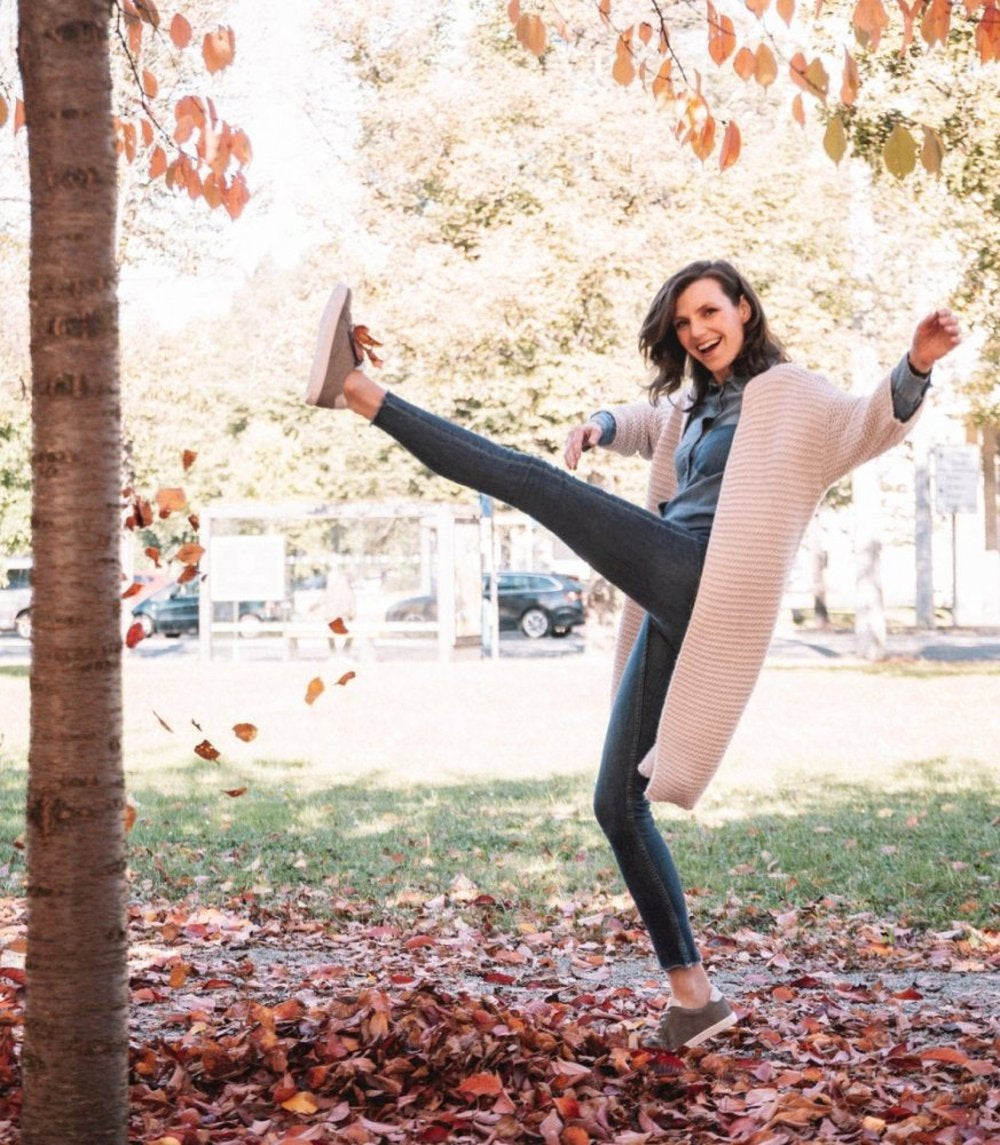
(652, 561)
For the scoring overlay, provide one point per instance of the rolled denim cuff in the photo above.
(908, 389)
(608, 425)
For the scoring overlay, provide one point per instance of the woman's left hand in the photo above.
(936, 335)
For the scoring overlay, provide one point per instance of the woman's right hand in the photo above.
(580, 439)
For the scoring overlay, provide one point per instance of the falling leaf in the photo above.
(744, 63)
(154, 555)
(189, 554)
(623, 70)
(129, 816)
(245, 732)
(367, 345)
(235, 792)
(150, 85)
(315, 690)
(163, 723)
(932, 152)
(765, 66)
(207, 751)
(133, 589)
(338, 626)
(135, 634)
(189, 572)
(851, 82)
(799, 111)
(346, 678)
(170, 500)
(147, 12)
(188, 458)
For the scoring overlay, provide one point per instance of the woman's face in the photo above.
(709, 326)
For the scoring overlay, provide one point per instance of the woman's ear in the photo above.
(745, 309)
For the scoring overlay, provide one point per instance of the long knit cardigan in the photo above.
(796, 436)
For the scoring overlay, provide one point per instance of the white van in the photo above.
(15, 595)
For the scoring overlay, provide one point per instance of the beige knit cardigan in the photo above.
(797, 434)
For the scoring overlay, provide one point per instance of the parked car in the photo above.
(538, 603)
(174, 610)
(15, 596)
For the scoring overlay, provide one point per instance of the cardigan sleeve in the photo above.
(638, 426)
(861, 428)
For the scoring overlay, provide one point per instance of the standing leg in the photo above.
(629, 546)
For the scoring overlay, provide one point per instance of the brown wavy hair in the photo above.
(661, 347)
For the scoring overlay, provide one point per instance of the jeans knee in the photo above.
(611, 813)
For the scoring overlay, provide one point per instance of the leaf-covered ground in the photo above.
(270, 1026)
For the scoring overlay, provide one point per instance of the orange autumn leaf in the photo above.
(302, 1102)
(481, 1085)
(154, 554)
(180, 31)
(189, 554)
(188, 458)
(178, 975)
(134, 635)
(235, 792)
(134, 588)
(207, 751)
(170, 500)
(245, 732)
(731, 144)
(574, 1135)
(218, 49)
(189, 572)
(367, 345)
(315, 690)
(338, 626)
(347, 676)
(129, 817)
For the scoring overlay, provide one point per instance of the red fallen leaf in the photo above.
(419, 940)
(188, 458)
(666, 1064)
(134, 635)
(783, 994)
(367, 345)
(207, 751)
(499, 979)
(315, 690)
(908, 995)
(245, 732)
(574, 1135)
(14, 974)
(435, 1133)
(179, 973)
(481, 1085)
(347, 676)
(943, 1054)
(235, 792)
(338, 627)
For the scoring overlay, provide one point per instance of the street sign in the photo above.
(956, 478)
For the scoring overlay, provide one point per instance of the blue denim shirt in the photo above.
(703, 450)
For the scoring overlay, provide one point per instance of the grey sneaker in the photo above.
(680, 1027)
(336, 354)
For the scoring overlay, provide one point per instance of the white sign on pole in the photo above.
(956, 478)
(247, 568)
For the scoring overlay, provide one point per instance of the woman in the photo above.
(738, 465)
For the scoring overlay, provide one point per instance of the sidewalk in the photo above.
(944, 645)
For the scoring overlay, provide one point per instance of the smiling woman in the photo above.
(699, 616)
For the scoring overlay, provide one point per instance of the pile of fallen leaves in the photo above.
(270, 1026)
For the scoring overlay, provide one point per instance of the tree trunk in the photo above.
(76, 1023)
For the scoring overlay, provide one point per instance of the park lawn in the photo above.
(846, 790)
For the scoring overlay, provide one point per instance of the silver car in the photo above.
(15, 596)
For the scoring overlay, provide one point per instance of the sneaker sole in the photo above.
(340, 297)
(711, 1031)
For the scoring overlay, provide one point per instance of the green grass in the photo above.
(921, 847)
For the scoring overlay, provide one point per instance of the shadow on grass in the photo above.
(921, 848)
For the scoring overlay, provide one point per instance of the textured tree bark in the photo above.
(76, 1023)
